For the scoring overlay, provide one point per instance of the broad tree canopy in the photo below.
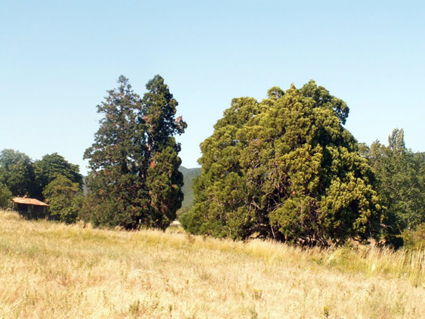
(50, 167)
(16, 172)
(285, 168)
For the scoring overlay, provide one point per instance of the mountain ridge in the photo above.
(188, 175)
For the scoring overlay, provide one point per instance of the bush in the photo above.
(5, 196)
(414, 239)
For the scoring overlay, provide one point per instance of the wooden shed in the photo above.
(30, 207)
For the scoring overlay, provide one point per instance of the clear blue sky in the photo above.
(58, 58)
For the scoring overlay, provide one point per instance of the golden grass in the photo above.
(50, 270)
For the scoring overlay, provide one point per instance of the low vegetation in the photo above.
(52, 270)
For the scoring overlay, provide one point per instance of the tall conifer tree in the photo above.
(134, 179)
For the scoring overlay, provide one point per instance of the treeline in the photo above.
(283, 168)
(52, 179)
(400, 182)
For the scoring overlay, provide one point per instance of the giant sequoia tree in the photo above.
(134, 179)
(284, 168)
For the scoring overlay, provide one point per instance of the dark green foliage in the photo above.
(400, 177)
(65, 198)
(134, 179)
(285, 168)
(5, 196)
(50, 167)
(16, 172)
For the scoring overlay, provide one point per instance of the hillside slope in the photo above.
(188, 175)
(50, 270)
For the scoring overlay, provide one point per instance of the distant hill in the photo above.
(188, 175)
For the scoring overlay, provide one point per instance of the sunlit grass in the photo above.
(50, 270)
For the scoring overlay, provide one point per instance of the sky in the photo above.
(58, 59)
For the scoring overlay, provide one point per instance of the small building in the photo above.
(30, 207)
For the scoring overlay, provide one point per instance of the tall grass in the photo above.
(50, 270)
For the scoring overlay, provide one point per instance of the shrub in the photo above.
(414, 239)
(5, 196)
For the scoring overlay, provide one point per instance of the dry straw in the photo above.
(50, 270)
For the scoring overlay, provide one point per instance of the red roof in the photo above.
(28, 201)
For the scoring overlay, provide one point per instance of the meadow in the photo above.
(53, 270)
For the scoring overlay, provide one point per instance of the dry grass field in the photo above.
(50, 270)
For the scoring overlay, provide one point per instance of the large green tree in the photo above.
(5, 196)
(285, 168)
(49, 168)
(400, 177)
(16, 172)
(134, 179)
(64, 197)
